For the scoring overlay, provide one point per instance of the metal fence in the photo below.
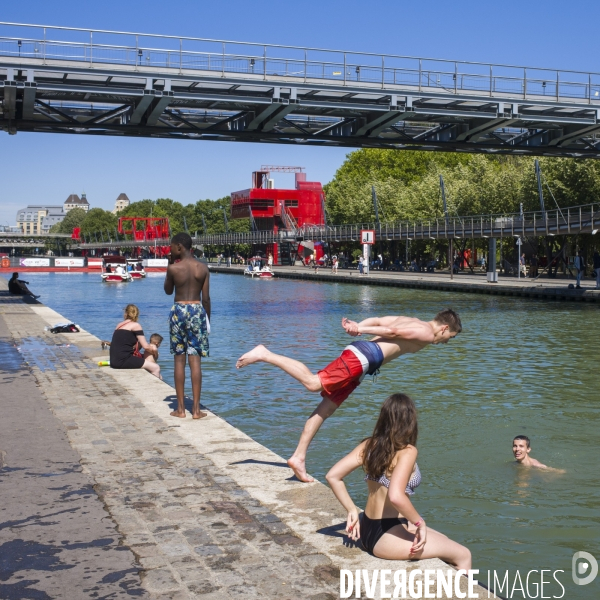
(267, 61)
(568, 221)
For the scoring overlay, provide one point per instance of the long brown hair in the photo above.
(395, 429)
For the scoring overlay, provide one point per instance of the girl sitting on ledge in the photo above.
(391, 527)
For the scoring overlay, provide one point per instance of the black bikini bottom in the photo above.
(371, 530)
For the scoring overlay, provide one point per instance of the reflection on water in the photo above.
(519, 367)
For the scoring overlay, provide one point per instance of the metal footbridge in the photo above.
(66, 80)
(567, 221)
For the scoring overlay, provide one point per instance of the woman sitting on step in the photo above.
(391, 527)
(127, 340)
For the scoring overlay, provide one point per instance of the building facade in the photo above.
(121, 202)
(74, 201)
(38, 218)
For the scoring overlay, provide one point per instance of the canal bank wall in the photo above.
(472, 284)
(204, 510)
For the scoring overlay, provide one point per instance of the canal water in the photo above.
(519, 367)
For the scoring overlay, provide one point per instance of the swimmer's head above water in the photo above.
(521, 447)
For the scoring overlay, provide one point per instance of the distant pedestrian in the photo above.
(533, 268)
(522, 265)
(270, 260)
(597, 268)
(334, 264)
(580, 267)
(361, 265)
(229, 260)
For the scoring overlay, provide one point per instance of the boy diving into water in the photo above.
(395, 336)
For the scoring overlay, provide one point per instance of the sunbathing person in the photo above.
(394, 337)
(18, 287)
(391, 527)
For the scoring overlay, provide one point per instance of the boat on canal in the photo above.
(264, 273)
(135, 268)
(114, 270)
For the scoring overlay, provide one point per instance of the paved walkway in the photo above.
(189, 530)
(55, 535)
(105, 495)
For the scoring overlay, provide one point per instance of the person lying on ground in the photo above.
(394, 337)
(126, 344)
(391, 527)
(19, 287)
(521, 449)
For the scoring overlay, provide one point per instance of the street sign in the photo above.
(367, 236)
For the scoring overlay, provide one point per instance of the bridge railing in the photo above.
(262, 61)
(567, 221)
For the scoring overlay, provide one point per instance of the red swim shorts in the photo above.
(341, 377)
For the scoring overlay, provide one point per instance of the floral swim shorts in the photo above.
(188, 329)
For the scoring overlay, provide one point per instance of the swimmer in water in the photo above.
(394, 337)
(522, 448)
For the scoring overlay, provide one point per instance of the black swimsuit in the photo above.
(122, 348)
(371, 530)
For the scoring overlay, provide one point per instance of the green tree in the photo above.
(98, 220)
(74, 218)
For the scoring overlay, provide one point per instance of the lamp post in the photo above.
(519, 242)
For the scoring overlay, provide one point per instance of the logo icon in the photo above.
(585, 568)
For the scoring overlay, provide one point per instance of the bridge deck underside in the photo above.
(231, 101)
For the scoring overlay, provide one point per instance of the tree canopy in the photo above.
(74, 218)
(408, 184)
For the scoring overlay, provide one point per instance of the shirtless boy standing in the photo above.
(395, 336)
(188, 319)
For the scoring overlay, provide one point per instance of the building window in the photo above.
(261, 204)
(291, 203)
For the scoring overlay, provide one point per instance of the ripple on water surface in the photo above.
(518, 367)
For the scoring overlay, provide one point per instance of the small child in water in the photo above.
(155, 339)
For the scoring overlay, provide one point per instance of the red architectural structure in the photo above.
(145, 228)
(273, 209)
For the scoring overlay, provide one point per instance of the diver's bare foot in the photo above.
(255, 355)
(199, 415)
(298, 465)
(178, 413)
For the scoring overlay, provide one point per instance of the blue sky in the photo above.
(48, 167)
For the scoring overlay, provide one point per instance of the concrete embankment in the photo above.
(544, 289)
(196, 509)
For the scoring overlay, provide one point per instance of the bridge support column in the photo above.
(492, 274)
